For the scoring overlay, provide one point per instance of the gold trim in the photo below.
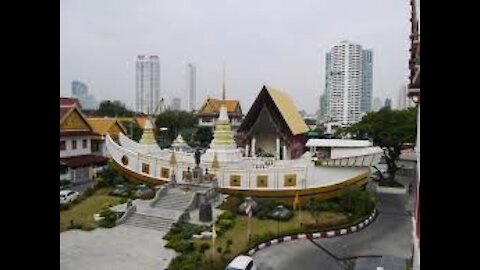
(290, 180)
(235, 180)
(262, 181)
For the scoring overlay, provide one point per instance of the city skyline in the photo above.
(284, 51)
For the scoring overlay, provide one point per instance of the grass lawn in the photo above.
(82, 213)
(238, 233)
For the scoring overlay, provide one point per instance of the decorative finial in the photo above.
(223, 85)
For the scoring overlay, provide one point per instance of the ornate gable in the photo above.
(73, 120)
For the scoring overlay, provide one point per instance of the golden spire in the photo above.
(224, 90)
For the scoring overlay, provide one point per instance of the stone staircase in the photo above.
(150, 222)
(175, 200)
(163, 214)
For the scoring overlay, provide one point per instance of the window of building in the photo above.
(74, 144)
(95, 146)
(164, 173)
(84, 143)
(125, 160)
(145, 168)
(63, 145)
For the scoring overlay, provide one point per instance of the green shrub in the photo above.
(188, 261)
(180, 245)
(225, 224)
(184, 231)
(204, 247)
(266, 207)
(109, 218)
(330, 206)
(227, 215)
(64, 183)
(356, 201)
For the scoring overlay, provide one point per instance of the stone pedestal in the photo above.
(197, 174)
(205, 212)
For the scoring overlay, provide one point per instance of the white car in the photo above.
(67, 196)
(241, 263)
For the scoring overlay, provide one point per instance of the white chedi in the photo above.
(223, 144)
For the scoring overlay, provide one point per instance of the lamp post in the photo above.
(163, 134)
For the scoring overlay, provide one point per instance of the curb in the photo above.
(328, 234)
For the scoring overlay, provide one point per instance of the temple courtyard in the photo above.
(121, 247)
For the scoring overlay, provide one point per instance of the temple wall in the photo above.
(282, 175)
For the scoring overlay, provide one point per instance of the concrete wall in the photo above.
(69, 152)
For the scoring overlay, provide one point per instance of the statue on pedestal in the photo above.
(198, 154)
(197, 172)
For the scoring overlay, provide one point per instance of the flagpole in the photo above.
(249, 227)
(300, 215)
(214, 235)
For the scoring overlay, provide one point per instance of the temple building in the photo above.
(103, 126)
(272, 162)
(77, 162)
(210, 111)
(273, 127)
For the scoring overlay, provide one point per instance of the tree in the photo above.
(176, 122)
(204, 136)
(132, 127)
(388, 129)
(113, 109)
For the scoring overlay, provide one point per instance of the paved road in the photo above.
(388, 235)
(121, 247)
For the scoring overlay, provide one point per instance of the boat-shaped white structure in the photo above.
(324, 170)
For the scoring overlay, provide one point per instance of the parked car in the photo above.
(67, 196)
(241, 263)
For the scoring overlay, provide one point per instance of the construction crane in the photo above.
(160, 108)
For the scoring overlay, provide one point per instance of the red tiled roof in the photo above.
(63, 111)
(66, 101)
(83, 161)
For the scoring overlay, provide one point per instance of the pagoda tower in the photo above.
(148, 136)
(223, 144)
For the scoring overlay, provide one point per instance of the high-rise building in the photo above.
(367, 81)
(377, 104)
(148, 83)
(344, 82)
(192, 86)
(388, 103)
(176, 104)
(79, 88)
(80, 92)
(323, 108)
(348, 84)
(404, 102)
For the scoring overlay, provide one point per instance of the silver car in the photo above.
(67, 196)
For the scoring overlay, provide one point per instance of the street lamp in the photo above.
(163, 134)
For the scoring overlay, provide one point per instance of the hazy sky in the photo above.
(278, 43)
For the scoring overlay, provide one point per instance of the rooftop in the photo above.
(337, 143)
